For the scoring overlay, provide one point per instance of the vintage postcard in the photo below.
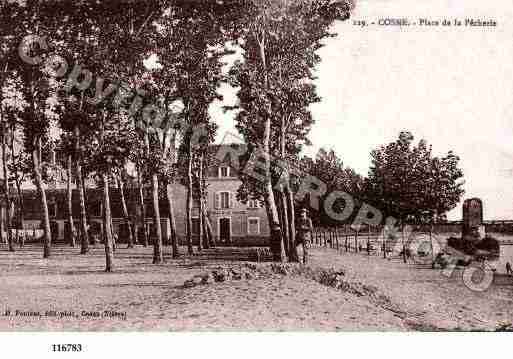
(255, 165)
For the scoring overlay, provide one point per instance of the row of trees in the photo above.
(90, 92)
(77, 78)
(406, 181)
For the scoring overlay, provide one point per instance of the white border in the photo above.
(237, 344)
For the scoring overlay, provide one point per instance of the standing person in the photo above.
(508, 268)
(114, 240)
(304, 233)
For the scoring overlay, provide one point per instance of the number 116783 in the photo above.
(66, 347)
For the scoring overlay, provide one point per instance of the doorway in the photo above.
(54, 230)
(225, 230)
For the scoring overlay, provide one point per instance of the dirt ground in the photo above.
(71, 292)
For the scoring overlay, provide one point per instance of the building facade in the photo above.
(233, 222)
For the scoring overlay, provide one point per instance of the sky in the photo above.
(451, 86)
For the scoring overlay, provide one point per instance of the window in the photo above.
(225, 199)
(253, 203)
(52, 209)
(195, 203)
(96, 209)
(253, 225)
(224, 172)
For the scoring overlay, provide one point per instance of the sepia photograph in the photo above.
(249, 166)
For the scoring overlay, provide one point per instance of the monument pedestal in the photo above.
(474, 233)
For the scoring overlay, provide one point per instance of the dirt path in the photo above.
(142, 296)
(437, 300)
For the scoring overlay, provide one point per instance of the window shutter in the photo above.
(230, 203)
(217, 200)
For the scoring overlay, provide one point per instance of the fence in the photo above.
(370, 240)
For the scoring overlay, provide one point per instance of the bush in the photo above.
(489, 244)
(461, 245)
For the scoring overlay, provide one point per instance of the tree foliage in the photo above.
(329, 168)
(411, 184)
(275, 77)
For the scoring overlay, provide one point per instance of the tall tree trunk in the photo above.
(273, 216)
(70, 203)
(141, 205)
(204, 230)
(12, 212)
(171, 155)
(171, 216)
(201, 232)
(188, 219)
(135, 228)
(288, 202)
(281, 212)
(44, 206)
(7, 195)
(107, 224)
(270, 202)
(293, 254)
(208, 233)
(188, 205)
(169, 238)
(121, 185)
(84, 235)
(83, 210)
(157, 241)
(21, 214)
(286, 222)
(2, 224)
(135, 225)
(283, 197)
(208, 229)
(114, 234)
(275, 238)
(204, 235)
(201, 243)
(403, 241)
(17, 181)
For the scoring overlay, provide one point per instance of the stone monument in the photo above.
(473, 228)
